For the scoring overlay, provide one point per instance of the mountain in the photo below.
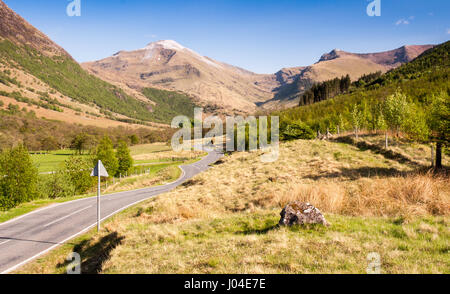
(171, 66)
(225, 88)
(14, 28)
(38, 75)
(339, 63)
(422, 80)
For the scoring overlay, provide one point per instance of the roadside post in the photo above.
(99, 171)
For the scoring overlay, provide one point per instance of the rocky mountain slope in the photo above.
(38, 75)
(14, 28)
(169, 65)
(225, 88)
(339, 63)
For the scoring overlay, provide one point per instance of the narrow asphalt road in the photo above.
(27, 237)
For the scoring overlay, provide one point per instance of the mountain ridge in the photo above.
(168, 65)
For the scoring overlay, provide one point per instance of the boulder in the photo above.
(300, 213)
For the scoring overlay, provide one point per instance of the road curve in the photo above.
(27, 237)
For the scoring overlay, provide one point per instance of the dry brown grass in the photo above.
(354, 183)
(414, 195)
(224, 220)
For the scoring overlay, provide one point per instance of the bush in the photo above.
(57, 185)
(78, 170)
(295, 131)
(105, 153)
(18, 179)
(124, 158)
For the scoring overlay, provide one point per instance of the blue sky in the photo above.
(259, 35)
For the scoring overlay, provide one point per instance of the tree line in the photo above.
(326, 90)
(19, 126)
(20, 181)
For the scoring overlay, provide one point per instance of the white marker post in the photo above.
(99, 171)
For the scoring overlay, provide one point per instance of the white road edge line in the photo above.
(71, 237)
(83, 230)
(88, 198)
(67, 216)
(91, 226)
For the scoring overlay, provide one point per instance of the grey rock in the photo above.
(300, 213)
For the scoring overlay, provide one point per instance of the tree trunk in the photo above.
(432, 155)
(438, 155)
(386, 144)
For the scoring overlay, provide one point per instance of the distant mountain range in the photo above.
(169, 65)
(157, 82)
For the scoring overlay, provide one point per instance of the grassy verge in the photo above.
(159, 175)
(252, 243)
(224, 220)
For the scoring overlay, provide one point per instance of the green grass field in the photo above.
(52, 161)
(162, 170)
(149, 148)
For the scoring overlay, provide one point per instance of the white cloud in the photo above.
(448, 31)
(402, 22)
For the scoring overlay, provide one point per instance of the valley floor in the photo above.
(225, 220)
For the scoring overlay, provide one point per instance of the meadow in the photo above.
(52, 161)
(225, 220)
(161, 168)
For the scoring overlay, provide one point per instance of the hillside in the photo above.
(420, 80)
(225, 220)
(39, 75)
(225, 88)
(339, 63)
(171, 66)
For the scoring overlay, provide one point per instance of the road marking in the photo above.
(67, 216)
(93, 225)
(5, 242)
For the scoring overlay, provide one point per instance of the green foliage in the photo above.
(18, 177)
(57, 185)
(78, 170)
(439, 118)
(396, 109)
(169, 104)
(134, 139)
(296, 130)
(399, 100)
(105, 153)
(357, 117)
(124, 158)
(65, 75)
(81, 142)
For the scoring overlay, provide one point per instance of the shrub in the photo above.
(18, 179)
(57, 185)
(124, 158)
(296, 130)
(78, 170)
(105, 153)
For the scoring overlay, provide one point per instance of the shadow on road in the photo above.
(93, 256)
(27, 240)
